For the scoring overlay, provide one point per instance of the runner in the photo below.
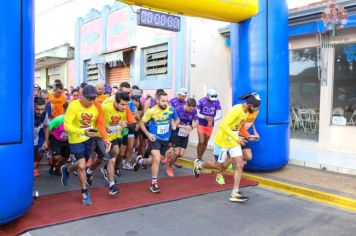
(80, 121)
(59, 144)
(41, 121)
(227, 143)
(162, 119)
(101, 96)
(209, 111)
(246, 148)
(57, 98)
(116, 117)
(188, 121)
(75, 95)
(180, 99)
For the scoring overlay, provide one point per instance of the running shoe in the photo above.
(51, 171)
(154, 188)
(220, 179)
(127, 166)
(114, 190)
(196, 168)
(169, 170)
(65, 175)
(236, 197)
(118, 172)
(104, 171)
(137, 164)
(86, 199)
(36, 173)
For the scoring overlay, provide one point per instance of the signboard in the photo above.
(338, 120)
(158, 20)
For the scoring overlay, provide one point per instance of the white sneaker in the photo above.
(127, 166)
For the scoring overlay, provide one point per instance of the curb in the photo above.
(330, 199)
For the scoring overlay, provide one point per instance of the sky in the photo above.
(55, 19)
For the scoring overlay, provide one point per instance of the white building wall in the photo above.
(209, 64)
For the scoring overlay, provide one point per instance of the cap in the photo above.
(136, 93)
(89, 92)
(183, 92)
(212, 94)
(252, 99)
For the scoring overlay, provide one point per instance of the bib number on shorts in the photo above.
(162, 129)
(183, 132)
(222, 156)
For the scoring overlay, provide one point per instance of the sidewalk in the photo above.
(316, 179)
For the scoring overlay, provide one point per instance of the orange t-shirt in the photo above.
(101, 98)
(58, 103)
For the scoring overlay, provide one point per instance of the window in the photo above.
(92, 72)
(304, 82)
(155, 62)
(53, 74)
(344, 90)
(304, 93)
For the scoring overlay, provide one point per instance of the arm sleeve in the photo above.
(68, 122)
(243, 131)
(129, 116)
(56, 122)
(218, 115)
(132, 106)
(100, 121)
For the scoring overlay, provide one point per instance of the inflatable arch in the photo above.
(259, 63)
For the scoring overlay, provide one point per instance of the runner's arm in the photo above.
(100, 121)
(229, 119)
(56, 122)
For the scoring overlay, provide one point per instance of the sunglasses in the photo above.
(213, 96)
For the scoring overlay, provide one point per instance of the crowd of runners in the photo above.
(112, 128)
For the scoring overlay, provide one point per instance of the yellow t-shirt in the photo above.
(109, 100)
(227, 134)
(112, 117)
(79, 118)
(101, 98)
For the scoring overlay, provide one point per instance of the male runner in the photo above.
(180, 99)
(57, 98)
(188, 121)
(82, 121)
(100, 90)
(227, 143)
(162, 119)
(209, 111)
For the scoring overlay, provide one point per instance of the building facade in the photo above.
(55, 63)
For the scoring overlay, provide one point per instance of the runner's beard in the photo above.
(162, 107)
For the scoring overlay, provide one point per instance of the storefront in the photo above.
(323, 79)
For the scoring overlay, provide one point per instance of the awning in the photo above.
(45, 62)
(317, 27)
(107, 57)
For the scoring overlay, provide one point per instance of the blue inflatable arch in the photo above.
(259, 63)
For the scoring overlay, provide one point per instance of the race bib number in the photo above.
(114, 129)
(162, 129)
(64, 135)
(183, 132)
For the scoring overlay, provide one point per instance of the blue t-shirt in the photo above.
(160, 121)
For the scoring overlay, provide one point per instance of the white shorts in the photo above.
(220, 153)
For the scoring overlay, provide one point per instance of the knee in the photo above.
(248, 157)
(240, 165)
(82, 166)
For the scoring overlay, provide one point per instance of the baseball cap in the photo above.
(182, 91)
(89, 92)
(212, 94)
(253, 99)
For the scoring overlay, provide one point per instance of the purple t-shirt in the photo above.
(186, 118)
(207, 108)
(175, 102)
